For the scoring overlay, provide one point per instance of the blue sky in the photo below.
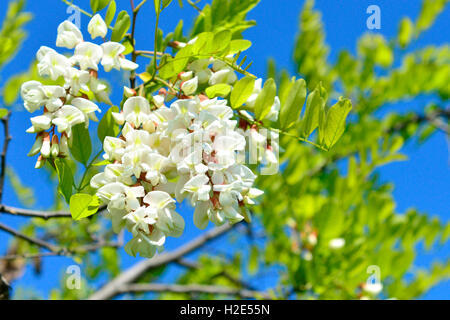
(422, 182)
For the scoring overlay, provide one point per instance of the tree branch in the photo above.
(112, 288)
(6, 139)
(193, 288)
(38, 242)
(37, 213)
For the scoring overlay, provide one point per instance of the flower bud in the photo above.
(149, 126)
(158, 100)
(189, 87)
(63, 146)
(36, 146)
(128, 92)
(45, 148)
(118, 117)
(54, 150)
(40, 162)
(185, 76)
(97, 27)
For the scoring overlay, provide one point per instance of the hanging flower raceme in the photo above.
(67, 105)
(180, 144)
(188, 150)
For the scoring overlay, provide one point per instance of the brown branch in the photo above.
(6, 139)
(38, 242)
(130, 275)
(37, 213)
(192, 289)
(194, 265)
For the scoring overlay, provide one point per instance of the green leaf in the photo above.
(97, 5)
(81, 148)
(121, 27)
(218, 90)
(314, 104)
(405, 32)
(65, 178)
(108, 126)
(253, 260)
(83, 205)
(239, 45)
(292, 103)
(242, 90)
(110, 12)
(335, 122)
(166, 3)
(3, 112)
(221, 41)
(101, 163)
(265, 99)
(157, 6)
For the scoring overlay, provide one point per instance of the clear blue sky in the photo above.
(423, 182)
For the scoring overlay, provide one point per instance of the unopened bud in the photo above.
(54, 150)
(128, 92)
(40, 162)
(185, 76)
(158, 100)
(63, 146)
(189, 87)
(118, 117)
(36, 146)
(45, 149)
(149, 126)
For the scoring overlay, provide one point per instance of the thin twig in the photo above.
(37, 213)
(38, 242)
(192, 289)
(112, 288)
(6, 139)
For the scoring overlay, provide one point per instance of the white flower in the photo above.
(88, 55)
(190, 86)
(136, 110)
(114, 147)
(33, 95)
(87, 107)
(68, 35)
(41, 123)
(225, 75)
(53, 65)
(76, 79)
(199, 187)
(54, 95)
(112, 58)
(97, 27)
(373, 288)
(66, 117)
(336, 243)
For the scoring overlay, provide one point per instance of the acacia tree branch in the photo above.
(36, 241)
(6, 139)
(130, 275)
(194, 265)
(192, 289)
(37, 213)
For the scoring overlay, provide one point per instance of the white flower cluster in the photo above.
(68, 105)
(190, 150)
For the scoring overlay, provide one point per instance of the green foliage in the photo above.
(110, 12)
(65, 178)
(11, 32)
(242, 90)
(97, 5)
(83, 205)
(123, 23)
(224, 15)
(265, 99)
(81, 147)
(107, 126)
